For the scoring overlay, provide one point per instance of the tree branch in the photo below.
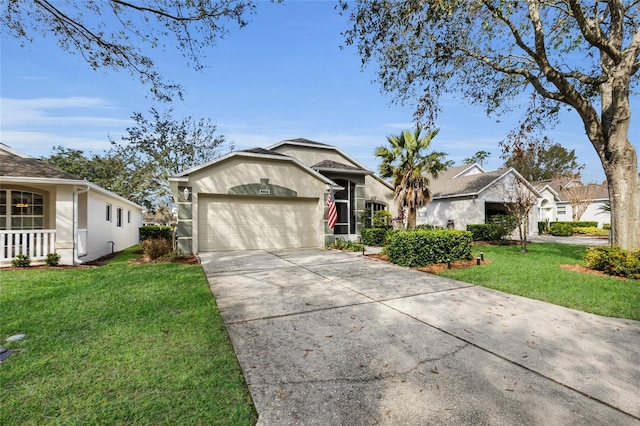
(592, 33)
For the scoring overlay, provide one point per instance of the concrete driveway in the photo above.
(331, 338)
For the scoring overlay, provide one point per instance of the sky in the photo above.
(284, 76)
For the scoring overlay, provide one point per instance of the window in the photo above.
(345, 206)
(128, 216)
(21, 210)
(119, 217)
(108, 213)
(562, 210)
(373, 207)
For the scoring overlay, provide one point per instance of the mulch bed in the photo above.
(585, 270)
(438, 267)
(187, 259)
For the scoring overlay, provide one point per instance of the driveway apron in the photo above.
(334, 338)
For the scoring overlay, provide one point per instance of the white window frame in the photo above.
(128, 216)
(561, 210)
(119, 217)
(109, 211)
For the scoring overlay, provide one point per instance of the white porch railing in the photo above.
(36, 244)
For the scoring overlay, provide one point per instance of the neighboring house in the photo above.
(45, 210)
(554, 204)
(275, 198)
(468, 195)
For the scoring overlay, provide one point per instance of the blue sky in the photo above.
(284, 76)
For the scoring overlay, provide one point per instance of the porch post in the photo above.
(64, 224)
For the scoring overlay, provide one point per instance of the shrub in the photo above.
(590, 230)
(53, 259)
(498, 228)
(486, 232)
(155, 232)
(21, 261)
(585, 224)
(425, 247)
(347, 245)
(427, 226)
(155, 248)
(614, 261)
(561, 229)
(543, 227)
(606, 226)
(373, 236)
(381, 219)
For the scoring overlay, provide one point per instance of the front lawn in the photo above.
(537, 275)
(117, 344)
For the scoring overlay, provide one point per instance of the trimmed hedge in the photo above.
(498, 228)
(155, 232)
(487, 232)
(426, 247)
(585, 224)
(614, 261)
(590, 230)
(561, 229)
(373, 236)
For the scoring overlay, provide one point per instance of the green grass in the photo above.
(537, 275)
(117, 344)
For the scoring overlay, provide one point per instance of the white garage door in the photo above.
(240, 223)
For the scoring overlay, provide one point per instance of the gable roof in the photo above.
(20, 168)
(251, 153)
(335, 166)
(599, 191)
(318, 145)
(455, 182)
(24, 166)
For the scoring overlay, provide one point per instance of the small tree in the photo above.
(519, 198)
(579, 197)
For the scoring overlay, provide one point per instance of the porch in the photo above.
(36, 244)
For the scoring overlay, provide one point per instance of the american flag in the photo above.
(332, 213)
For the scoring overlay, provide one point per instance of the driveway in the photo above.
(333, 338)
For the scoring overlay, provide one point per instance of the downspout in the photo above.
(76, 192)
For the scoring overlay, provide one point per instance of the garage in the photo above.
(247, 223)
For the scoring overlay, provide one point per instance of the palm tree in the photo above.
(410, 167)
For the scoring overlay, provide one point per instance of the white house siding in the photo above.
(593, 213)
(100, 232)
(462, 211)
(64, 214)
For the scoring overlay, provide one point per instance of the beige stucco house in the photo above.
(469, 194)
(45, 210)
(274, 198)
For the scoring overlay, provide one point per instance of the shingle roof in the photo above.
(446, 184)
(307, 141)
(598, 191)
(262, 151)
(334, 165)
(14, 166)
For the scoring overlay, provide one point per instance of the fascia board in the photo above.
(184, 176)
